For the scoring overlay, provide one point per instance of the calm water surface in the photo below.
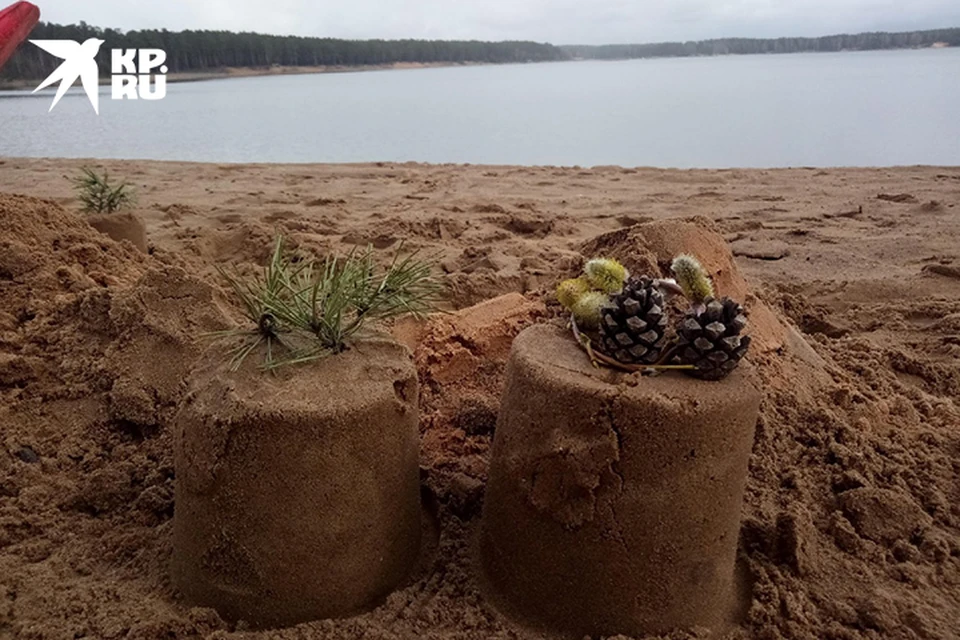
(836, 109)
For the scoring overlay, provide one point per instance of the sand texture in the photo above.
(297, 497)
(613, 501)
(850, 527)
(120, 226)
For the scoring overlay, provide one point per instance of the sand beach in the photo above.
(851, 523)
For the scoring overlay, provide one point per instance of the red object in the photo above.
(16, 23)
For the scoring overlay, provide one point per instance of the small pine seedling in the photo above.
(98, 195)
(334, 300)
(606, 274)
(258, 297)
(312, 309)
(692, 278)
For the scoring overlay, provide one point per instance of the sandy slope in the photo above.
(852, 522)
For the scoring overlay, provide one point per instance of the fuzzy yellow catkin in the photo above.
(606, 274)
(586, 311)
(692, 278)
(570, 291)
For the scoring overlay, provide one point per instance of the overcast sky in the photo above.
(555, 21)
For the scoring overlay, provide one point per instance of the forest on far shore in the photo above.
(734, 46)
(199, 51)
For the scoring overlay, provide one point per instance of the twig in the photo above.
(584, 341)
(668, 285)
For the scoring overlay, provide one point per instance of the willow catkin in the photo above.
(692, 278)
(570, 291)
(606, 274)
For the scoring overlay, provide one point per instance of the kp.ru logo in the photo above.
(136, 73)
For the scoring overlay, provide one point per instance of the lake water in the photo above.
(831, 109)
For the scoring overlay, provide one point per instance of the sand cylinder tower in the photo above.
(297, 493)
(613, 501)
(120, 226)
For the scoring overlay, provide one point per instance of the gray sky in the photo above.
(555, 21)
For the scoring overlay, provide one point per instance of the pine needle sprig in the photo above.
(345, 293)
(319, 306)
(98, 194)
(406, 287)
(257, 298)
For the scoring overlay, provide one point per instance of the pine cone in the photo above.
(711, 340)
(633, 325)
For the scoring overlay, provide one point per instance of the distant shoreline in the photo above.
(936, 45)
(253, 72)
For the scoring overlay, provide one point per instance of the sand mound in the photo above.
(649, 249)
(46, 251)
(461, 360)
(851, 526)
(92, 366)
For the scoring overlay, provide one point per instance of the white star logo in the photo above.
(79, 62)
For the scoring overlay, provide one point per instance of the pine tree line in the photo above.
(191, 51)
(211, 50)
(728, 46)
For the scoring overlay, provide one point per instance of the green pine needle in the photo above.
(98, 194)
(319, 306)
